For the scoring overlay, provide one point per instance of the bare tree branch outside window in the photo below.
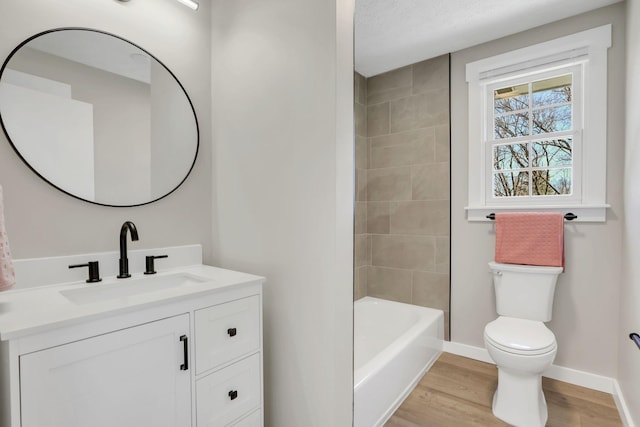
(538, 166)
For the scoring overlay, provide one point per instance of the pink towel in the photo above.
(531, 238)
(7, 274)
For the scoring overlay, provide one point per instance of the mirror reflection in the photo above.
(98, 117)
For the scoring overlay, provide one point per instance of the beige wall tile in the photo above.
(378, 217)
(408, 137)
(360, 224)
(388, 283)
(361, 89)
(360, 283)
(429, 218)
(430, 182)
(361, 250)
(447, 327)
(410, 252)
(361, 119)
(362, 152)
(389, 95)
(443, 144)
(442, 254)
(431, 74)
(378, 119)
(401, 77)
(404, 154)
(431, 290)
(361, 185)
(389, 184)
(419, 111)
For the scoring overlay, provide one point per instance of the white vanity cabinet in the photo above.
(192, 360)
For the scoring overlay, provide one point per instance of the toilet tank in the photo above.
(524, 291)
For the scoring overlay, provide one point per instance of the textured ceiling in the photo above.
(393, 33)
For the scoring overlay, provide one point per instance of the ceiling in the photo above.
(393, 33)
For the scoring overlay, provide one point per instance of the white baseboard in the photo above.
(572, 376)
(561, 373)
(621, 404)
(470, 351)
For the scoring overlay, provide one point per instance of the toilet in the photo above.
(519, 342)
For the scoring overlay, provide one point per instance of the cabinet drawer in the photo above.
(253, 420)
(229, 393)
(226, 331)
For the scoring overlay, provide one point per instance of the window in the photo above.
(537, 128)
(533, 131)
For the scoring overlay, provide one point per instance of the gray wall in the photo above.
(629, 357)
(585, 318)
(284, 141)
(42, 221)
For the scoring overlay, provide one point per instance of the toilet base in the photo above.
(519, 399)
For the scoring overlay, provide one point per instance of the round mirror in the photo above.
(98, 117)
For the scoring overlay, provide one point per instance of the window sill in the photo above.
(585, 213)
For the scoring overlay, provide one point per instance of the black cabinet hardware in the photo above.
(185, 344)
(233, 394)
(94, 271)
(150, 268)
(635, 338)
(232, 332)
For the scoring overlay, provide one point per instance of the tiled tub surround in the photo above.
(402, 253)
(362, 163)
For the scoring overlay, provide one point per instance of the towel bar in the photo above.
(635, 338)
(569, 216)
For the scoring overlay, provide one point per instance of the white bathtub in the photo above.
(394, 345)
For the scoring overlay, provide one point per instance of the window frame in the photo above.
(577, 72)
(585, 53)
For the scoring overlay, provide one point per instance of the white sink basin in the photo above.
(122, 288)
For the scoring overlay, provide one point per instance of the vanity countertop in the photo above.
(35, 310)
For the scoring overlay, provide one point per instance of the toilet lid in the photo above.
(520, 336)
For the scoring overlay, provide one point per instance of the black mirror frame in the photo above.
(195, 117)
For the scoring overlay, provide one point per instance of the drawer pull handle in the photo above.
(185, 347)
(232, 332)
(233, 394)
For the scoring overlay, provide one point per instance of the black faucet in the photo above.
(124, 261)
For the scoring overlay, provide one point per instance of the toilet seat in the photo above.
(520, 336)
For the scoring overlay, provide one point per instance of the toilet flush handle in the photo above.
(498, 273)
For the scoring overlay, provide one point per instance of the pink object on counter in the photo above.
(530, 238)
(7, 273)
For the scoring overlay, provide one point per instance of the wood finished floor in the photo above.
(458, 392)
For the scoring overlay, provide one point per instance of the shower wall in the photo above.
(403, 174)
(362, 244)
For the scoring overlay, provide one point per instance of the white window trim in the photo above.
(589, 47)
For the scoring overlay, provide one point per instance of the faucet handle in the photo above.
(150, 268)
(94, 271)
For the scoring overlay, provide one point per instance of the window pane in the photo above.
(555, 119)
(512, 156)
(509, 184)
(511, 98)
(552, 152)
(556, 90)
(551, 182)
(512, 125)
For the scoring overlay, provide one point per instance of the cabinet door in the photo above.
(129, 378)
